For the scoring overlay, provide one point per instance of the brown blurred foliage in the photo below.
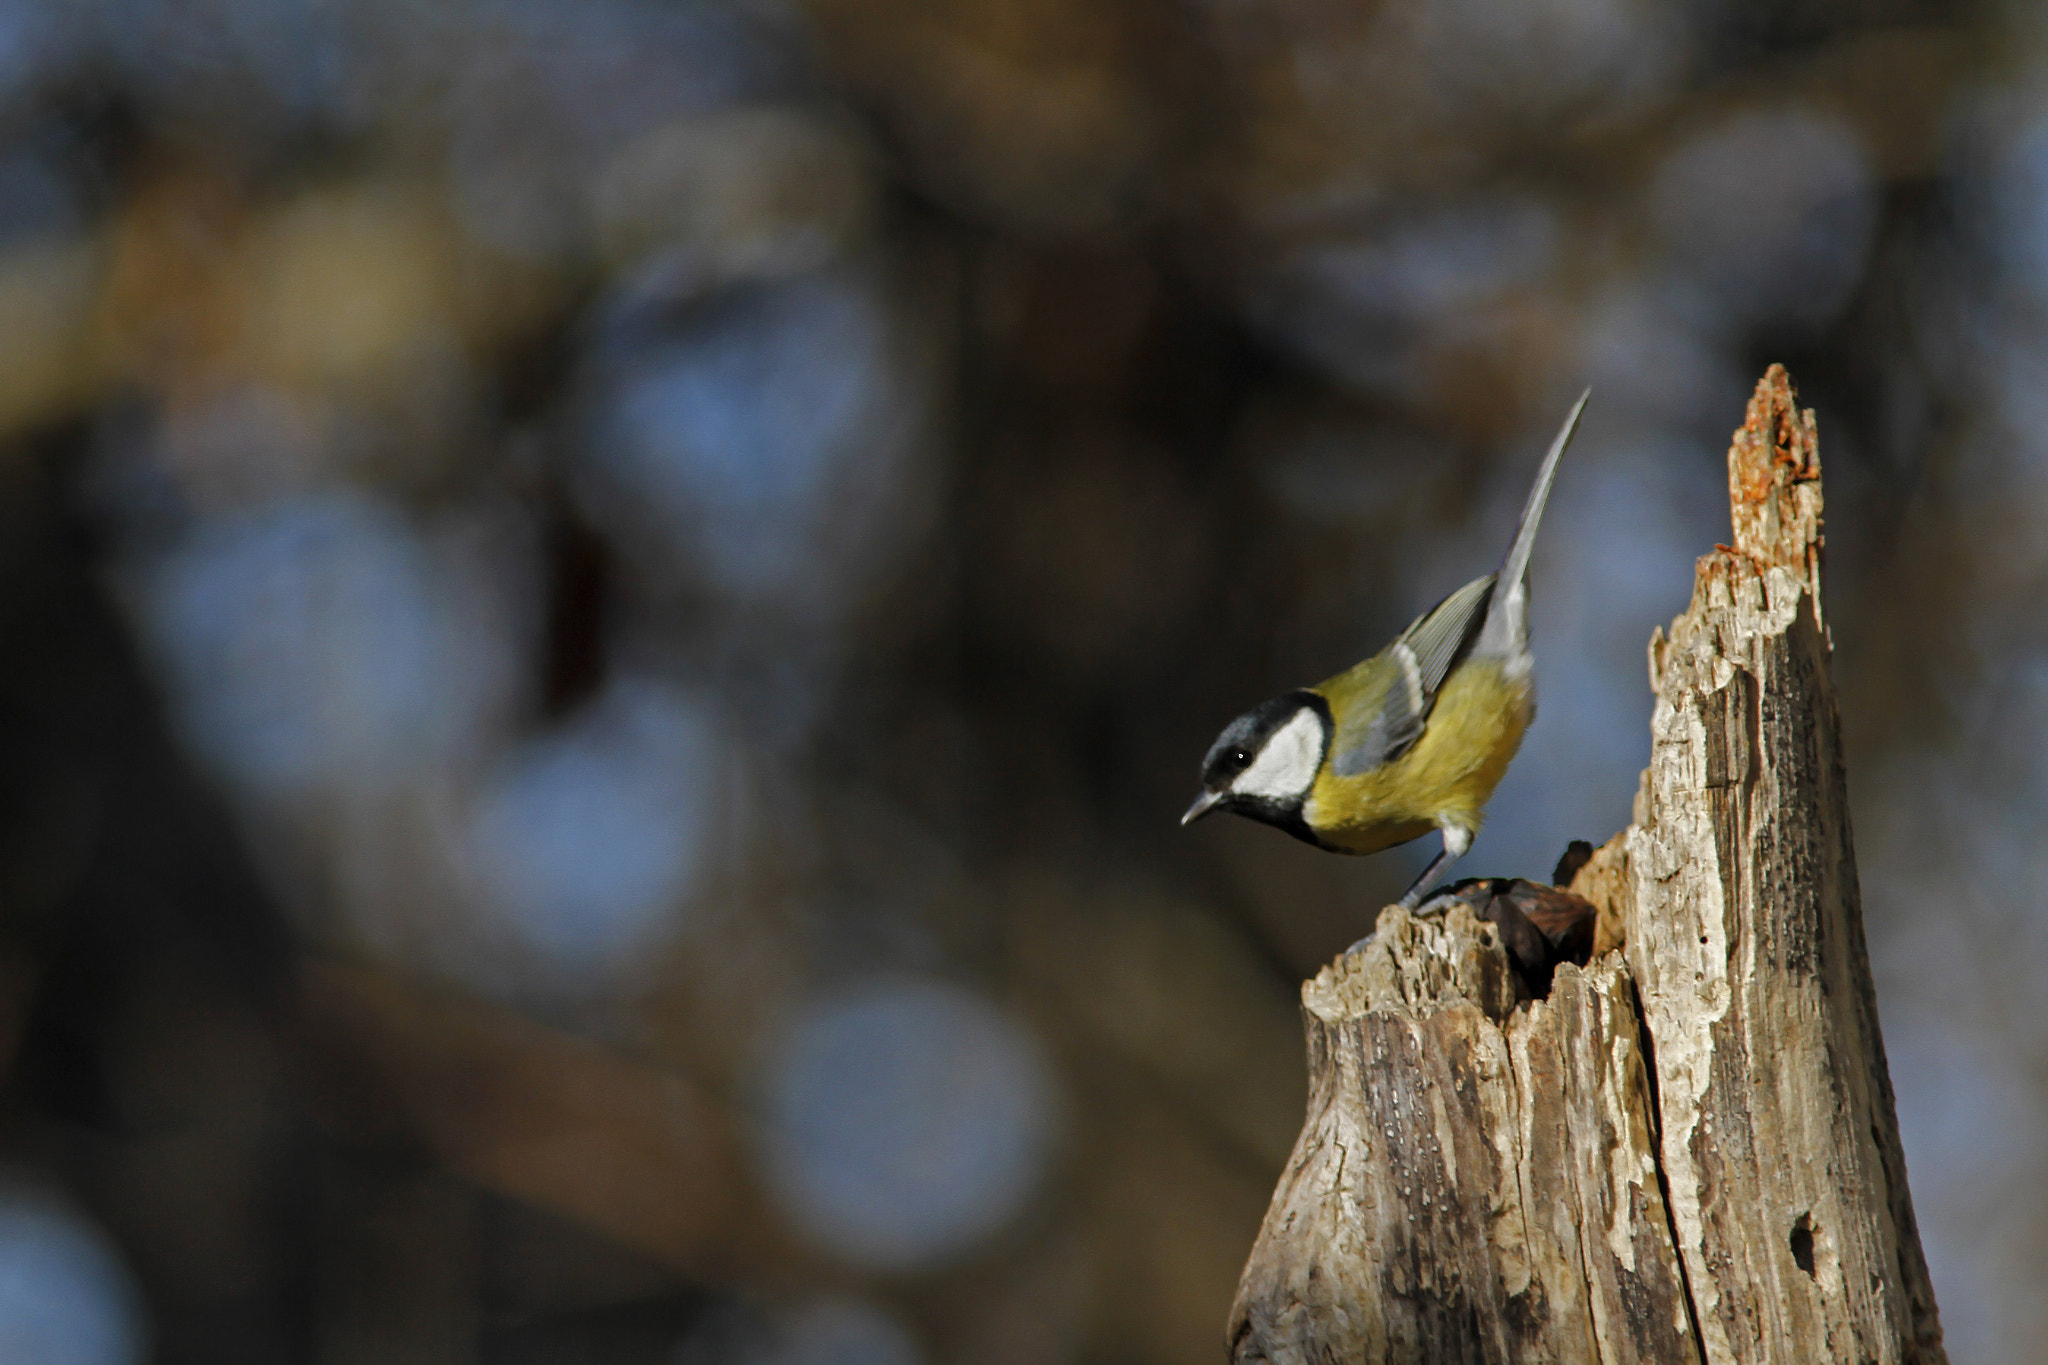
(606, 609)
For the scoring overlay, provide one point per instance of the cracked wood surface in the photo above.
(1745, 937)
(1687, 1154)
(1477, 1178)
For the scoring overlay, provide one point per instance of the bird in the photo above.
(1414, 739)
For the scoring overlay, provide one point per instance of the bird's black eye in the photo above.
(1238, 758)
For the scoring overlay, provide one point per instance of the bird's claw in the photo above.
(1434, 906)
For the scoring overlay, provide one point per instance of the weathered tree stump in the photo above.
(1687, 1152)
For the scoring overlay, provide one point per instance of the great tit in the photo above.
(1412, 740)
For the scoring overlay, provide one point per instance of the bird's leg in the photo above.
(1456, 840)
(1411, 900)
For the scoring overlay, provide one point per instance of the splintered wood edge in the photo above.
(1774, 494)
(1605, 882)
(1776, 523)
(1416, 966)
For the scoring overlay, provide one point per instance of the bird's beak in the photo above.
(1204, 803)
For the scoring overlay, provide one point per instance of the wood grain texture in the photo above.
(1684, 1154)
(1476, 1180)
(1745, 937)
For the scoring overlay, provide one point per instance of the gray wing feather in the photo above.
(1477, 617)
(1439, 638)
(1423, 656)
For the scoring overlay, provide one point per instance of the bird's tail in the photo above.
(1506, 631)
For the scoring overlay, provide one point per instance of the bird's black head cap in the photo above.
(1265, 761)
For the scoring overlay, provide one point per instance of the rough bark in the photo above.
(1686, 1153)
(1477, 1178)
(1745, 937)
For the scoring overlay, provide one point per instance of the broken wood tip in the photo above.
(1774, 494)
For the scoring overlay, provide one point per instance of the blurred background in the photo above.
(606, 610)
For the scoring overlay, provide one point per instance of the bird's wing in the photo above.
(1380, 728)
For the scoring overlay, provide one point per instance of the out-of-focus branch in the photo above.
(639, 1154)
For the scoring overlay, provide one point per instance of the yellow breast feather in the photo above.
(1474, 729)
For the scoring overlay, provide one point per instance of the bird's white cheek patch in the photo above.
(1286, 766)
